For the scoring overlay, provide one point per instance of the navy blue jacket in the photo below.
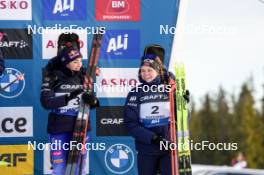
(55, 87)
(142, 118)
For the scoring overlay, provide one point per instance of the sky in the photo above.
(223, 44)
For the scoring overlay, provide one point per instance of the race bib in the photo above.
(154, 114)
(72, 107)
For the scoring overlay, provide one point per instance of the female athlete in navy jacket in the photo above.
(146, 117)
(61, 92)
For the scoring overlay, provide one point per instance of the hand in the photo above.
(73, 95)
(90, 99)
(186, 96)
(163, 143)
(157, 139)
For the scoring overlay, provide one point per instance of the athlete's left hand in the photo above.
(90, 99)
(186, 96)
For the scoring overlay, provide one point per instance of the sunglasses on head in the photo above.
(149, 56)
(73, 53)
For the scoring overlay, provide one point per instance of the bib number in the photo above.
(154, 114)
(155, 110)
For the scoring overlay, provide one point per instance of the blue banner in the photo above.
(129, 27)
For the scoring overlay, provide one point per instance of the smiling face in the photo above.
(147, 73)
(75, 65)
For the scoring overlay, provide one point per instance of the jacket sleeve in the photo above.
(131, 120)
(47, 96)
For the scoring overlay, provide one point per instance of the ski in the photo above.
(76, 156)
(173, 132)
(182, 122)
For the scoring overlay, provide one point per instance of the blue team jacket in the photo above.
(55, 86)
(147, 114)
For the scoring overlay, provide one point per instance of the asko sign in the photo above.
(49, 42)
(116, 82)
(15, 10)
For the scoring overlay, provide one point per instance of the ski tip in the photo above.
(179, 66)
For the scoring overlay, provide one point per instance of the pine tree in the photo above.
(203, 129)
(251, 129)
(223, 127)
(262, 107)
(195, 132)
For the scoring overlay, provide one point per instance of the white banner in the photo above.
(16, 121)
(16, 10)
(116, 82)
(50, 39)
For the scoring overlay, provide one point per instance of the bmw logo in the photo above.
(11, 85)
(119, 158)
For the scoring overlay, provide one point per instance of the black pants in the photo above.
(150, 164)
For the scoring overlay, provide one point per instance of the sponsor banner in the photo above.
(121, 44)
(15, 10)
(16, 43)
(109, 121)
(117, 10)
(120, 159)
(47, 167)
(16, 160)
(16, 121)
(50, 39)
(116, 82)
(64, 9)
(11, 83)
